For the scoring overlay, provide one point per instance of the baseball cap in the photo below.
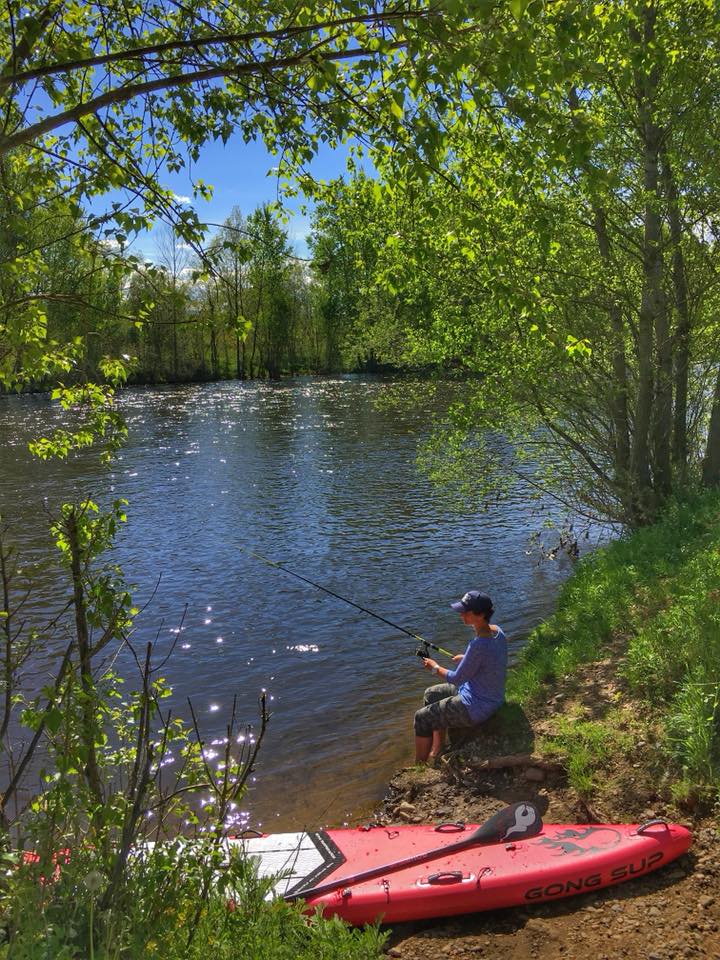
(474, 602)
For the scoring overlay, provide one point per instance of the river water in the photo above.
(309, 473)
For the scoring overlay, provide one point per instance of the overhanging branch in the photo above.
(222, 71)
(195, 43)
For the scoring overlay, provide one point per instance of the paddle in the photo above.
(516, 822)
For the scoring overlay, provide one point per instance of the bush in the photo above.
(167, 911)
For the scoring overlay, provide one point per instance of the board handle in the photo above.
(450, 826)
(657, 822)
(446, 877)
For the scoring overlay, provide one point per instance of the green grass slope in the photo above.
(658, 591)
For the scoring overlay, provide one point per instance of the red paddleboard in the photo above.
(327, 868)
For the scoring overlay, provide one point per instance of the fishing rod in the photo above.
(419, 652)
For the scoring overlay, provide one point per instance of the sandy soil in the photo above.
(673, 913)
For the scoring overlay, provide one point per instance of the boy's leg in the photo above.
(429, 742)
(438, 742)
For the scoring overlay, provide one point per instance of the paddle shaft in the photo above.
(520, 820)
(395, 626)
(387, 868)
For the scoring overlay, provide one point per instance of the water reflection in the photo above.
(310, 474)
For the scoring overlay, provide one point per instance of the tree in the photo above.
(174, 258)
(230, 252)
(568, 224)
(269, 302)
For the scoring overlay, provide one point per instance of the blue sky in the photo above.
(241, 175)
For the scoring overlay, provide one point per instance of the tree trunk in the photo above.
(89, 695)
(621, 427)
(682, 334)
(651, 438)
(214, 357)
(7, 632)
(176, 365)
(711, 460)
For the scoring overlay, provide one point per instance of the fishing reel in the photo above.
(423, 651)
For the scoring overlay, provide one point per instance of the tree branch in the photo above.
(195, 43)
(124, 94)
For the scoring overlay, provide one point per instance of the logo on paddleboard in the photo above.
(525, 819)
(575, 843)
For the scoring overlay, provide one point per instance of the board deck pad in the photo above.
(298, 859)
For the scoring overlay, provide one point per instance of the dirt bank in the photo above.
(600, 761)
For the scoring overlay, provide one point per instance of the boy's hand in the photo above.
(458, 657)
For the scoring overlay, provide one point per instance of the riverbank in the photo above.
(612, 716)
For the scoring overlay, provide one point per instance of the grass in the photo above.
(659, 591)
(585, 746)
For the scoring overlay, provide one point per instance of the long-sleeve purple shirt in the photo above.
(480, 675)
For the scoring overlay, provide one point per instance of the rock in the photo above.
(706, 902)
(534, 774)
(405, 807)
(393, 952)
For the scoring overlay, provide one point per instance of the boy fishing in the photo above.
(473, 690)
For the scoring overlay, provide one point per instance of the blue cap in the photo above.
(474, 602)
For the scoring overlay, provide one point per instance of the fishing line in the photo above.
(395, 626)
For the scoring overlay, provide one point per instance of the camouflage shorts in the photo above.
(443, 708)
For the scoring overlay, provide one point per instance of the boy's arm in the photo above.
(470, 665)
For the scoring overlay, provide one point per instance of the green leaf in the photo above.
(518, 8)
(53, 719)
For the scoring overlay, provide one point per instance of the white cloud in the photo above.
(299, 228)
(178, 198)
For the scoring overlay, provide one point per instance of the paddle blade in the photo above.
(516, 822)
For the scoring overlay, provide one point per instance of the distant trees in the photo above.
(245, 308)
